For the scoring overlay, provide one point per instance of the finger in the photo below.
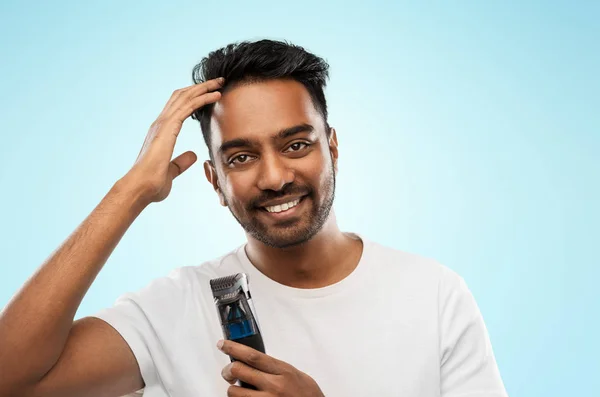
(176, 94)
(253, 357)
(186, 109)
(171, 126)
(237, 391)
(182, 96)
(181, 163)
(201, 88)
(228, 375)
(237, 370)
(207, 86)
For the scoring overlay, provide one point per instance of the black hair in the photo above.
(249, 62)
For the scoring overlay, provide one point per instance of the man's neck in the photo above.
(325, 259)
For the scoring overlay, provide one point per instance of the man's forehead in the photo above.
(259, 110)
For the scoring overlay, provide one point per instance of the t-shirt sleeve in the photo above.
(467, 363)
(141, 317)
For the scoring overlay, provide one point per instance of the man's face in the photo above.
(271, 152)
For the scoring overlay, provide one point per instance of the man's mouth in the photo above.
(283, 208)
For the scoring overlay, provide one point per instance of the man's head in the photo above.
(269, 141)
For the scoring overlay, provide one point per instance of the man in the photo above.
(340, 315)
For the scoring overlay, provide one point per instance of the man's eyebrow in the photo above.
(288, 132)
(235, 143)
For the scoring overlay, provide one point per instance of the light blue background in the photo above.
(469, 132)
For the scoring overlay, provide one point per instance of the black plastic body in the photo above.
(236, 313)
(254, 341)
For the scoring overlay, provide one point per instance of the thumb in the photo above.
(181, 163)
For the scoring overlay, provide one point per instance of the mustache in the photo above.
(268, 195)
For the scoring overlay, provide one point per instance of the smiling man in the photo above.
(340, 315)
(274, 150)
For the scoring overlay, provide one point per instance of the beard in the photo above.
(295, 231)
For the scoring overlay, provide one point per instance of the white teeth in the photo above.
(283, 207)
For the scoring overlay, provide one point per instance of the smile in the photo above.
(282, 207)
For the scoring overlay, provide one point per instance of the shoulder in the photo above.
(183, 281)
(397, 261)
(411, 271)
(423, 277)
(218, 267)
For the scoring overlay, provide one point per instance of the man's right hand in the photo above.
(153, 172)
(43, 352)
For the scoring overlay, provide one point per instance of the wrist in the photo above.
(130, 194)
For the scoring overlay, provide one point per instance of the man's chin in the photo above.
(281, 240)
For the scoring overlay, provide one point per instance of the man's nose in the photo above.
(274, 173)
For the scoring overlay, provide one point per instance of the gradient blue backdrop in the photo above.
(469, 132)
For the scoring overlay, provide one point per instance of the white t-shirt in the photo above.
(398, 325)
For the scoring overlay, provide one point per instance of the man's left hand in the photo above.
(271, 377)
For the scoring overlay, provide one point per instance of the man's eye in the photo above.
(297, 146)
(242, 158)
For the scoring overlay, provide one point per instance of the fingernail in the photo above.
(220, 344)
(221, 79)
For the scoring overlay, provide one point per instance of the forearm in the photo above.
(35, 324)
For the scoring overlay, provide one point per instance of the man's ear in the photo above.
(333, 148)
(211, 177)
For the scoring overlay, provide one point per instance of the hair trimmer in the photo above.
(236, 312)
